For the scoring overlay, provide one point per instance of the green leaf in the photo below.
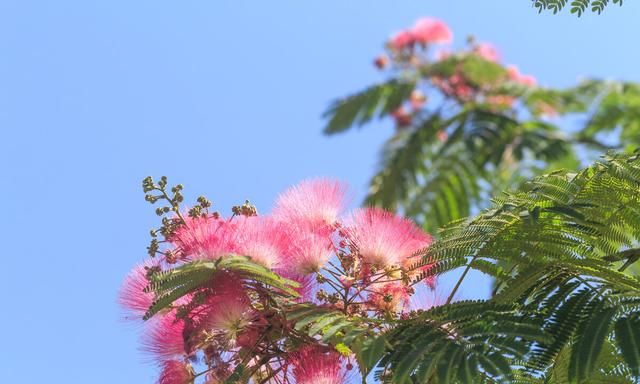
(628, 339)
(369, 351)
(358, 109)
(585, 352)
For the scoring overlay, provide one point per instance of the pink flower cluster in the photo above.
(425, 31)
(516, 76)
(408, 50)
(367, 256)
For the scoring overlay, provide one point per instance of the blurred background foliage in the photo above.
(468, 127)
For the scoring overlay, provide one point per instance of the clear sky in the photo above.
(223, 96)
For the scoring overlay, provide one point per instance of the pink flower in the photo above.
(487, 51)
(384, 239)
(308, 284)
(132, 296)
(401, 40)
(175, 372)
(228, 309)
(263, 239)
(311, 365)
(318, 201)
(206, 238)
(164, 337)
(310, 249)
(388, 296)
(428, 30)
(514, 74)
(455, 85)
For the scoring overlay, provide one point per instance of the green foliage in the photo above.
(358, 109)
(557, 248)
(436, 182)
(576, 6)
(453, 155)
(461, 342)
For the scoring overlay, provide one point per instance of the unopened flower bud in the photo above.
(381, 61)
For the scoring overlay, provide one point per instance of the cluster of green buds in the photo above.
(247, 209)
(155, 192)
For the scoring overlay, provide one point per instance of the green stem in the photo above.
(464, 274)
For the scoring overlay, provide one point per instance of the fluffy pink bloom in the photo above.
(132, 296)
(308, 284)
(455, 86)
(460, 87)
(228, 308)
(207, 238)
(428, 30)
(164, 337)
(318, 201)
(383, 238)
(310, 249)
(314, 366)
(487, 51)
(515, 75)
(388, 297)
(263, 239)
(175, 372)
(401, 40)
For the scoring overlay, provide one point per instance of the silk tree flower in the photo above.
(164, 337)
(317, 201)
(308, 283)
(388, 297)
(205, 238)
(227, 310)
(454, 85)
(401, 40)
(132, 297)
(514, 74)
(176, 372)
(263, 239)
(487, 51)
(428, 30)
(310, 249)
(311, 365)
(384, 239)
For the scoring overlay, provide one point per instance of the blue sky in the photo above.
(223, 96)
